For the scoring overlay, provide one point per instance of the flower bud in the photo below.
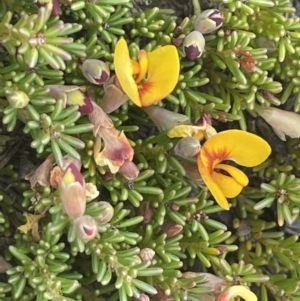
(129, 170)
(106, 214)
(171, 228)
(208, 21)
(147, 254)
(95, 71)
(193, 45)
(165, 120)
(85, 227)
(72, 192)
(187, 147)
(17, 99)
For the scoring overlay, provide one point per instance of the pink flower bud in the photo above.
(129, 170)
(209, 20)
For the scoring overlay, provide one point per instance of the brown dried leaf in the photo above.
(42, 174)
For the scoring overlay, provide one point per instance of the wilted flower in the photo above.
(152, 78)
(194, 45)
(17, 99)
(72, 192)
(85, 227)
(164, 119)
(114, 96)
(283, 122)
(32, 224)
(117, 149)
(209, 20)
(239, 146)
(237, 291)
(187, 147)
(198, 131)
(95, 71)
(72, 95)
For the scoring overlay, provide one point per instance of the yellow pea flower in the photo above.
(239, 146)
(152, 78)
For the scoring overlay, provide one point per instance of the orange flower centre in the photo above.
(140, 68)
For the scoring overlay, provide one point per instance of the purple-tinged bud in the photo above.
(72, 95)
(193, 45)
(95, 71)
(85, 227)
(72, 192)
(129, 170)
(187, 147)
(208, 21)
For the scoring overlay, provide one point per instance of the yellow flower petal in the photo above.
(242, 147)
(163, 73)
(235, 173)
(187, 131)
(124, 71)
(237, 291)
(212, 185)
(228, 185)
